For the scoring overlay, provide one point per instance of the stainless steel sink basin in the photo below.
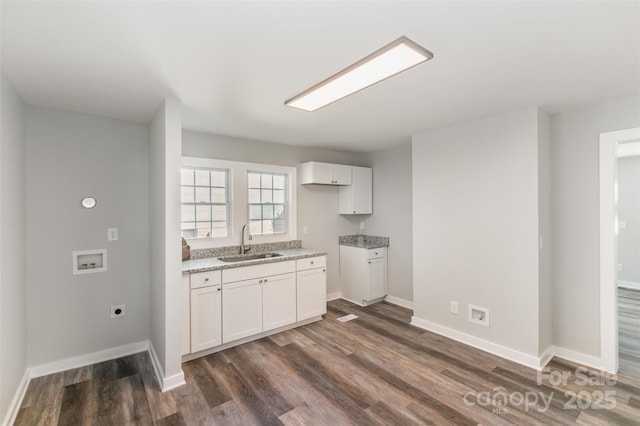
(243, 257)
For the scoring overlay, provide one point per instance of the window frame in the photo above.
(227, 204)
(239, 200)
(285, 205)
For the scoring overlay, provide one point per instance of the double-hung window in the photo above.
(267, 203)
(205, 202)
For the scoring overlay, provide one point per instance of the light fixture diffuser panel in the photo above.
(386, 62)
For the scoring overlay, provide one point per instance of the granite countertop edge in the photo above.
(365, 245)
(212, 263)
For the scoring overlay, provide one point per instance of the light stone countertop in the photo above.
(212, 263)
(363, 241)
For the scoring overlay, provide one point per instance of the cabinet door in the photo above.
(311, 293)
(314, 172)
(362, 186)
(341, 175)
(377, 278)
(205, 318)
(278, 301)
(186, 314)
(241, 310)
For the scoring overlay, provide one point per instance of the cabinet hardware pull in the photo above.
(260, 281)
(324, 270)
(369, 262)
(218, 289)
(206, 280)
(312, 262)
(354, 211)
(265, 280)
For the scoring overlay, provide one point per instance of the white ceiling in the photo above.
(232, 64)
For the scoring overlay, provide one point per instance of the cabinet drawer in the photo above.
(204, 279)
(311, 263)
(377, 252)
(258, 271)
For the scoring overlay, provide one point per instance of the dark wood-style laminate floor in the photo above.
(374, 370)
(629, 331)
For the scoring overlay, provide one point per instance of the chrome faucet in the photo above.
(242, 249)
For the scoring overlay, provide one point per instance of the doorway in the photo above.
(609, 226)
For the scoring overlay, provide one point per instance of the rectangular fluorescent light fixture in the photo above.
(395, 57)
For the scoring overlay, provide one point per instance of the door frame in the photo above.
(608, 246)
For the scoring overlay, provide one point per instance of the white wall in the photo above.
(317, 204)
(69, 156)
(575, 218)
(475, 227)
(165, 140)
(629, 212)
(391, 216)
(13, 283)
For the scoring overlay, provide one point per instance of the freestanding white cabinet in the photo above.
(312, 287)
(357, 198)
(363, 273)
(314, 172)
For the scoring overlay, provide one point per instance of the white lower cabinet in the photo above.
(186, 314)
(363, 273)
(220, 307)
(206, 318)
(241, 309)
(278, 301)
(312, 293)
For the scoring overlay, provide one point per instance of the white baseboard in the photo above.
(400, 302)
(578, 357)
(165, 383)
(527, 360)
(88, 359)
(16, 402)
(333, 296)
(546, 356)
(633, 285)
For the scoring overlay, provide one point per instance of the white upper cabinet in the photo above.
(357, 198)
(314, 172)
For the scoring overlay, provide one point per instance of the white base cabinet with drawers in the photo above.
(363, 274)
(232, 305)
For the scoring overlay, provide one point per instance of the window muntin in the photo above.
(267, 202)
(205, 203)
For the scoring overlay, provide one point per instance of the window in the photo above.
(205, 202)
(267, 200)
(220, 196)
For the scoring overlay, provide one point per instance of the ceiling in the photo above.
(233, 64)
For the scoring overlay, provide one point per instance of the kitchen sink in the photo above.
(243, 257)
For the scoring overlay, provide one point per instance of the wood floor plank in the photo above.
(175, 419)
(374, 370)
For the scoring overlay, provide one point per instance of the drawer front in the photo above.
(311, 263)
(204, 279)
(377, 252)
(258, 271)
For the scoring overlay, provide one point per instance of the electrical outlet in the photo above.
(305, 230)
(453, 307)
(118, 311)
(619, 267)
(112, 234)
(362, 226)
